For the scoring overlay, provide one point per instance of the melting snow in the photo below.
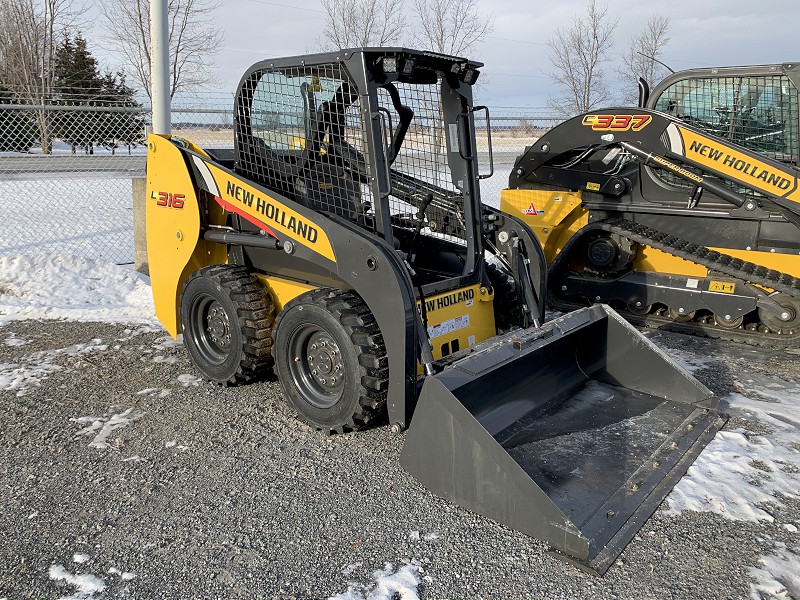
(740, 470)
(86, 585)
(103, 427)
(80, 558)
(32, 368)
(187, 380)
(125, 576)
(777, 576)
(12, 340)
(386, 584)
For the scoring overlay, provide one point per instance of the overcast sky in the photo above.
(703, 33)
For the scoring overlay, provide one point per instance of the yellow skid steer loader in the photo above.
(342, 241)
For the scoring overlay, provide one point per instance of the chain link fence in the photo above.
(66, 171)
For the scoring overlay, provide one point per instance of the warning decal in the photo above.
(449, 326)
(724, 287)
(531, 210)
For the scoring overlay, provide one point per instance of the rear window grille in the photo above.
(300, 134)
(759, 113)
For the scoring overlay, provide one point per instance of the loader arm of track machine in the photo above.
(602, 151)
(354, 176)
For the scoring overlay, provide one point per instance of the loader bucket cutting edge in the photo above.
(572, 433)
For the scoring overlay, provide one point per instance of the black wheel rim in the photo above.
(211, 329)
(315, 362)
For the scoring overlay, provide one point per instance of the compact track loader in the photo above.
(343, 242)
(683, 215)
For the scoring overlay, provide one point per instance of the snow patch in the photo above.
(33, 368)
(387, 584)
(777, 576)
(428, 537)
(740, 470)
(80, 558)
(124, 575)
(87, 585)
(187, 380)
(166, 360)
(13, 340)
(103, 427)
(44, 286)
(134, 458)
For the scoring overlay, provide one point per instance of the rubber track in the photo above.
(710, 259)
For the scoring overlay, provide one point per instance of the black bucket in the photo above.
(572, 433)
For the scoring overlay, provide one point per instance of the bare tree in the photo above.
(450, 26)
(640, 58)
(356, 23)
(193, 40)
(578, 52)
(27, 53)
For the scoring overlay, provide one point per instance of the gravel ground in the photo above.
(215, 492)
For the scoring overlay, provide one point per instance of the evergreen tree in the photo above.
(79, 83)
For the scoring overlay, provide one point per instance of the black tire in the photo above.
(507, 306)
(330, 358)
(227, 319)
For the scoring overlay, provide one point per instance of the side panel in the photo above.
(174, 247)
(459, 319)
(553, 216)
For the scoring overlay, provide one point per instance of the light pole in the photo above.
(159, 66)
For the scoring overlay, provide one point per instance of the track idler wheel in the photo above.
(728, 322)
(680, 317)
(791, 305)
(639, 309)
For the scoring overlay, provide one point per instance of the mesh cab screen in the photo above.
(421, 176)
(759, 113)
(300, 133)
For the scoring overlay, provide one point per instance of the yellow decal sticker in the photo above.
(737, 165)
(723, 287)
(272, 216)
(593, 187)
(616, 122)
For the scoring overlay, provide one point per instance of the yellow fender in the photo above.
(174, 247)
